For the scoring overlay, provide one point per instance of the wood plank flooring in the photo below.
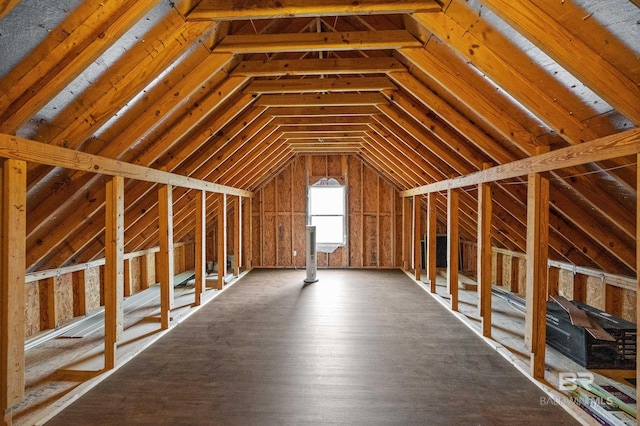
(357, 347)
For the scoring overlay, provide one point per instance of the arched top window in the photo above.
(327, 211)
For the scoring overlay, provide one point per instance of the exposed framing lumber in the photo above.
(452, 246)
(63, 55)
(536, 275)
(13, 183)
(249, 257)
(7, 6)
(329, 66)
(113, 270)
(310, 85)
(612, 146)
(321, 99)
(573, 54)
(417, 232)
(406, 233)
(229, 10)
(323, 116)
(484, 257)
(222, 238)
(237, 235)
(48, 273)
(165, 265)
(637, 258)
(310, 42)
(28, 150)
(200, 243)
(432, 220)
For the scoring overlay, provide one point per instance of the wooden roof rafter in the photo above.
(228, 10)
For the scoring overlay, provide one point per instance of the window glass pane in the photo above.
(329, 229)
(327, 200)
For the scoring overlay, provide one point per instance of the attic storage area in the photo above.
(145, 141)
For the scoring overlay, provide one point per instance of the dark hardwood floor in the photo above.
(357, 347)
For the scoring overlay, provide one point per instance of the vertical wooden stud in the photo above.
(113, 269)
(148, 276)
(637, 257)
(49, 314)
(249, 260)
(515, 274)
(222, 239)
(407, 235)
(237, 235)
(452, 246)
(165, 256)
(537, 264)
(128, 287)
(499, 267)
(201, 244)
(80, 284)
(553, 277)
(378, 221)
(13, 203)
(417, 234)
(484, 257)
(431, 241)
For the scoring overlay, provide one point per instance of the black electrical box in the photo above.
(576, 343)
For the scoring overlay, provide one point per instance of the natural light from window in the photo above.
(327, 211)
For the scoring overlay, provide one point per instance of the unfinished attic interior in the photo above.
(156, 153)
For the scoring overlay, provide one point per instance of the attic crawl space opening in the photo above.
(327, 212)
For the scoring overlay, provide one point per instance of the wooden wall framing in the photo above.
(279, 212)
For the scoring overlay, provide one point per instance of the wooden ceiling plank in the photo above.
(322, 85)
(309, 42)
(328, 66)
(77, 42)
(321, 99)
(266, 9)
(569, 51)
